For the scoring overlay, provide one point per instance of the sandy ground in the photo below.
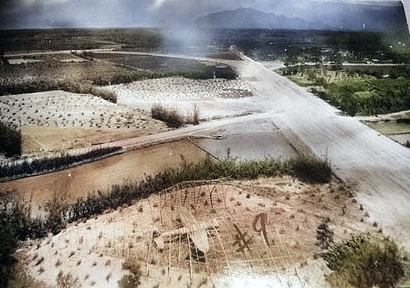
(93, 251)
(379, 165)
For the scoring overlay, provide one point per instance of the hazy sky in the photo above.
(132, 13)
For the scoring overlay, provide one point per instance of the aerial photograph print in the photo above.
(204, 143)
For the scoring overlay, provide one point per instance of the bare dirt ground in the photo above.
(191, 235)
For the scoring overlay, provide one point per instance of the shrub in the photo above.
(38, 166)
(324, 236)
(195, 117)
(10, 140)
(67, 281)
(130, 280)
(311, 170)
(171, 117)
(363, 261)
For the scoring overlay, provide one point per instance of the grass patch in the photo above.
(365, 260)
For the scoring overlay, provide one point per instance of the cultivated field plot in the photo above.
(58, 120)
(204, 234)
(159, 63)
(213, 97)
(180, 89)
(55, 67)
(395, 125)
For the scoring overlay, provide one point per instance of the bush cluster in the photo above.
(171, 117)
(10, 140)
(38, 85)
(359, 91)
(311, 170)
(371, 97)
(36, 166)
(365, 261)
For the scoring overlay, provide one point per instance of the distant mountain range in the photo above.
(348, 17)
(249, 18)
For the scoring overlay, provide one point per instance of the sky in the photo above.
(141, 13)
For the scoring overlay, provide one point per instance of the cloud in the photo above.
(106, 13)
(158, 3)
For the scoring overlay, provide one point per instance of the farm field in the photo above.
(394, 125)
(56, 121)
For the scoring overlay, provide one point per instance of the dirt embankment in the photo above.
(215, 234)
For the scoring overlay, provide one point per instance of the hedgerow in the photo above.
(29, 167)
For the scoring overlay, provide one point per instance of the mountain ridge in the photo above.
(355, 17)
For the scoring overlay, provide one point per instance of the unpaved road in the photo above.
(357, 153)
(379, 166)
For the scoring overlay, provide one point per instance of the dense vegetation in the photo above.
(10, 140)
(331, 71)
(363, 90)
(263, 44)
(365, 261)
(29, 167)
